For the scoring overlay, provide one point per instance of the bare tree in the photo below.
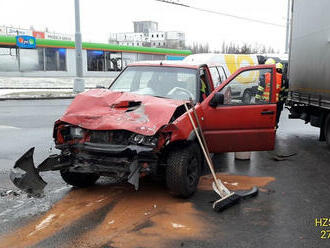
(245, 48)
(197, 47)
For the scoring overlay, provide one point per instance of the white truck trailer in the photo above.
(309, 65)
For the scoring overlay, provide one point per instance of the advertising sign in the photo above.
(55, 36)
(25, 41)
(38, 35)
(18, 31)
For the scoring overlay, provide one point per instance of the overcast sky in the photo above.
(101, 17)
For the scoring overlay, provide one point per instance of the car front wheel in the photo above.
(183, 170)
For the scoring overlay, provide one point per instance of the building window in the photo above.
(158, 57)
(55, 59)
(157, 35)
(95, 60)
(128, 58)
(152, 36)
(103, 61)
(31, 59)
(143, 56)
(8, 59)
(113, 61)
(162, 35)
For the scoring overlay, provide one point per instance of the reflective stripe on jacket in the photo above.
(267, 86)
(278, 85)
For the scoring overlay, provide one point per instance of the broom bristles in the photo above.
(226, 202)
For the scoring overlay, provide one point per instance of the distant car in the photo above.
(139, 127)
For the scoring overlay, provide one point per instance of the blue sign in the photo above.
(25, 41)
(174, 57)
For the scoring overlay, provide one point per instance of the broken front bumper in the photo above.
(87, 158)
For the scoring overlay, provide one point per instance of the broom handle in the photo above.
(206, 154)
(201, 134)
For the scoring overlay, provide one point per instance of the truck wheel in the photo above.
(247, 97)
(327, 130)
(80, 180)
(183, 170)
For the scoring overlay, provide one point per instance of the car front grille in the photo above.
(118, 137)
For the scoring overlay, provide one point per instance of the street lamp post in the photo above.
(79, 82)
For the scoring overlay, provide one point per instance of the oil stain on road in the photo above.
(117, 216)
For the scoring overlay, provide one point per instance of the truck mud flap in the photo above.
(26, 177)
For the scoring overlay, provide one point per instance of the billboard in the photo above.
(18, 31)
(38, 35)
(55, 36)
(25, 41)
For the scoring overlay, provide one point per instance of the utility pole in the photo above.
(287, 38)
(79, 82)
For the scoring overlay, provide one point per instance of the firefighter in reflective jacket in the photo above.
(263, 91)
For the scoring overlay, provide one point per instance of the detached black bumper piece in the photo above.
(26, 177)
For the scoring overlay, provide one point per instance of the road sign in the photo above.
(25, 41)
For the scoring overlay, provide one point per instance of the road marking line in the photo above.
(8, 127)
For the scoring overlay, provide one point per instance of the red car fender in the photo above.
(182, 127)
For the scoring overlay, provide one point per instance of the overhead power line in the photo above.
(221, 13)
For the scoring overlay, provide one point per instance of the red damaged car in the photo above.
(139, 127)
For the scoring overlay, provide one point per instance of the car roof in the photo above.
(168, 63)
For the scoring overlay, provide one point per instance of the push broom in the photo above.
(228, 198)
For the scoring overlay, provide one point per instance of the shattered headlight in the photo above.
(77, 132)
(139, 139)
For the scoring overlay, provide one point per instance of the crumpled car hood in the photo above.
(102, 109)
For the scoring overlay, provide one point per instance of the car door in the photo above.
(234, 125)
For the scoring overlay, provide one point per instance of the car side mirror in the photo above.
(217, 99)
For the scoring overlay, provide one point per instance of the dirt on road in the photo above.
(234, 182)
(149, 217)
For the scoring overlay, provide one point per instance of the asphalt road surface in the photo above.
(293, 193)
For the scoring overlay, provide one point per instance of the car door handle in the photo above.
(267, 112)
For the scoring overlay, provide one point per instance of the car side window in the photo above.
(222, 73)
(215, 76)
(249, 87)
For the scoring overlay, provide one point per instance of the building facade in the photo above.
(56, 58)
(146, 34)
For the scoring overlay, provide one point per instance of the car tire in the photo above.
(247, 97)
(80, 180)
(327, 130)
(183, 170)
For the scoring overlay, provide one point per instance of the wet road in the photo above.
(293, 193)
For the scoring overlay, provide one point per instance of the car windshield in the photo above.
(160, 81)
